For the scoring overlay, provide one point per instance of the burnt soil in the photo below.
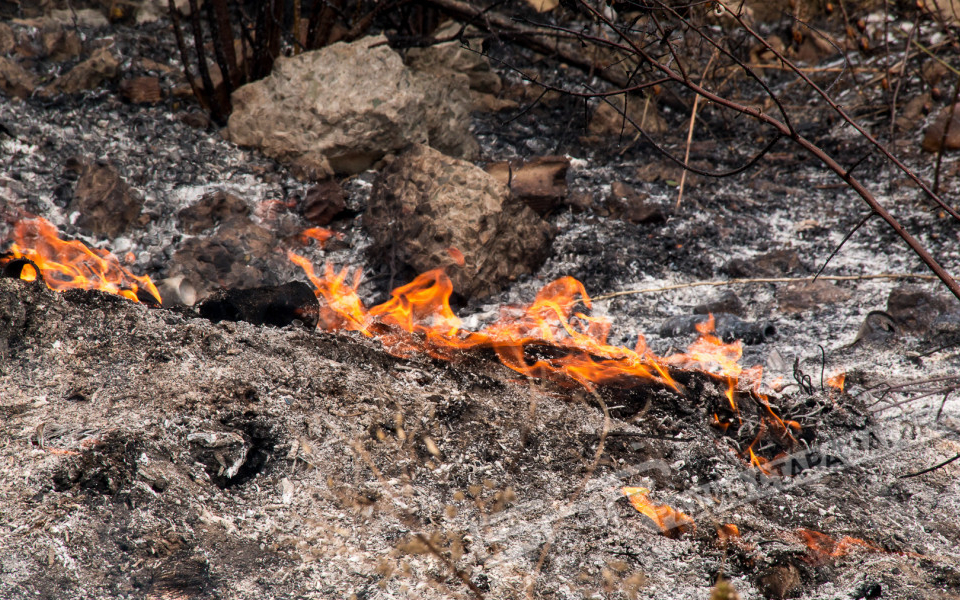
(150, 453)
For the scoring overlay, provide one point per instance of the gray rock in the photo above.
(353, 103)
(424, 204)
(101, 66)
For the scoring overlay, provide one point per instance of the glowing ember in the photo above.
(71, 265)
(671, 522)
(823, 547)
(321, 235)
(837, 381)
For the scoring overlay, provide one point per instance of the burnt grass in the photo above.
(150, 453)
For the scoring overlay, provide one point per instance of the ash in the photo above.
(150, 453)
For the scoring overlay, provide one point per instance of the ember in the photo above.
(68, 265)
(837, 381)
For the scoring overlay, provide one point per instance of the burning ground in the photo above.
(546, 445)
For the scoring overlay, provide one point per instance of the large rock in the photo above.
(353, 103)
(425, 207)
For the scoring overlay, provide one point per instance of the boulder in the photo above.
(426, 209)
(454, 57)
(353, 103)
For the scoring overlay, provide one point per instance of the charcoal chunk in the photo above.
(272, 305)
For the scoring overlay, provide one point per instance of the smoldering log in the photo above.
(271, 305)
(727, 327)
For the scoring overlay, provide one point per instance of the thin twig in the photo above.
(725, 282)
(933, 468)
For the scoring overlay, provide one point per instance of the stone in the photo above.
(323, 202)
(353, 103)
(105, 204)
(426, 207)
(456, 57)
(236, 255)
(779, 582)
(626, 203)
(541, 182)
(807, 295)
(311, 166)
(142, 90)
(915, 309)
(210, 210)
(82, 17)
(8, 41)
(726, 302)
(15, 81)
(772, 264)
(607, 119)
(933, 138)
(101, 66)
(59, 43)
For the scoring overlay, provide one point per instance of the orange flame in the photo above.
(672, 522)
(72, 265)
(547, 339)
(837, 381)
(318, 233)
(823, 547)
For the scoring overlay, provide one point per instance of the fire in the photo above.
(321, 235)
(551, 338)
(72, 265)
(823, 547)
(672, 522)
(837, 381)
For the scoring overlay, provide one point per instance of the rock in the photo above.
(324, 201)
(101, 66)
(877, 329)
(353, 103)
(915, 309)
(933, 138)
(628, 204)
(58, 43)
(425, 203)
(210, 210)
(914, 111)
(727, 302)
(14, 80)
(196, 119)
(801, 296)
(142, 90)
(455, 57)
(772, 264)
(311, 166)
(541, 182)
(82, 17)
(608, 120)
(8, 41)
(780, 582)
(237, 255)
(106, 205)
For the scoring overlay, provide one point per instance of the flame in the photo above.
(837, 381)
(823, 547)
(672, 522)
(72, 265)
(551, 338)
(318, 233)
